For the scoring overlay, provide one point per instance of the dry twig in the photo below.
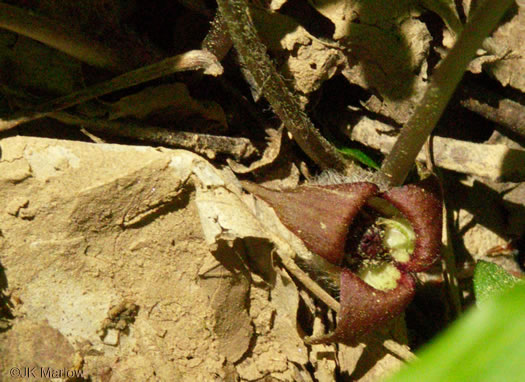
(505, 112)
(448, 263)
(205, 144)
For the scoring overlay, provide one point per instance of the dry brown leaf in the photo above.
(312, 64)
(391, 61)
(383, 50)
(171, 102)
(506, 49)
(494, 161)
(228, 291)
(285, 299)
(344, 13)
(310, 61)
(284, 175)
(323, 357)
(270, 154)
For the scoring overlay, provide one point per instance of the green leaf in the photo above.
(359, 156)
(486, 344)
(490, 279)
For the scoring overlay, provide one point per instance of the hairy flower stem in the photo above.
(254, 56)
(399, 162)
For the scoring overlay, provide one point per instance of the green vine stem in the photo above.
(254, 56)
(446, 77)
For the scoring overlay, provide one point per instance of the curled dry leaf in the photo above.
(310, 61)
(383, 50)
(269, 155)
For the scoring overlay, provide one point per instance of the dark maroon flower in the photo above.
(421, 204)
(364, 307)
(319, 215)
(374, 239)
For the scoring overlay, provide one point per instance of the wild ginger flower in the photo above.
(369, 243)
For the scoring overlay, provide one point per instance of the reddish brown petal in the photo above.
(421, 204)
(363, 307)
(319, 215)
